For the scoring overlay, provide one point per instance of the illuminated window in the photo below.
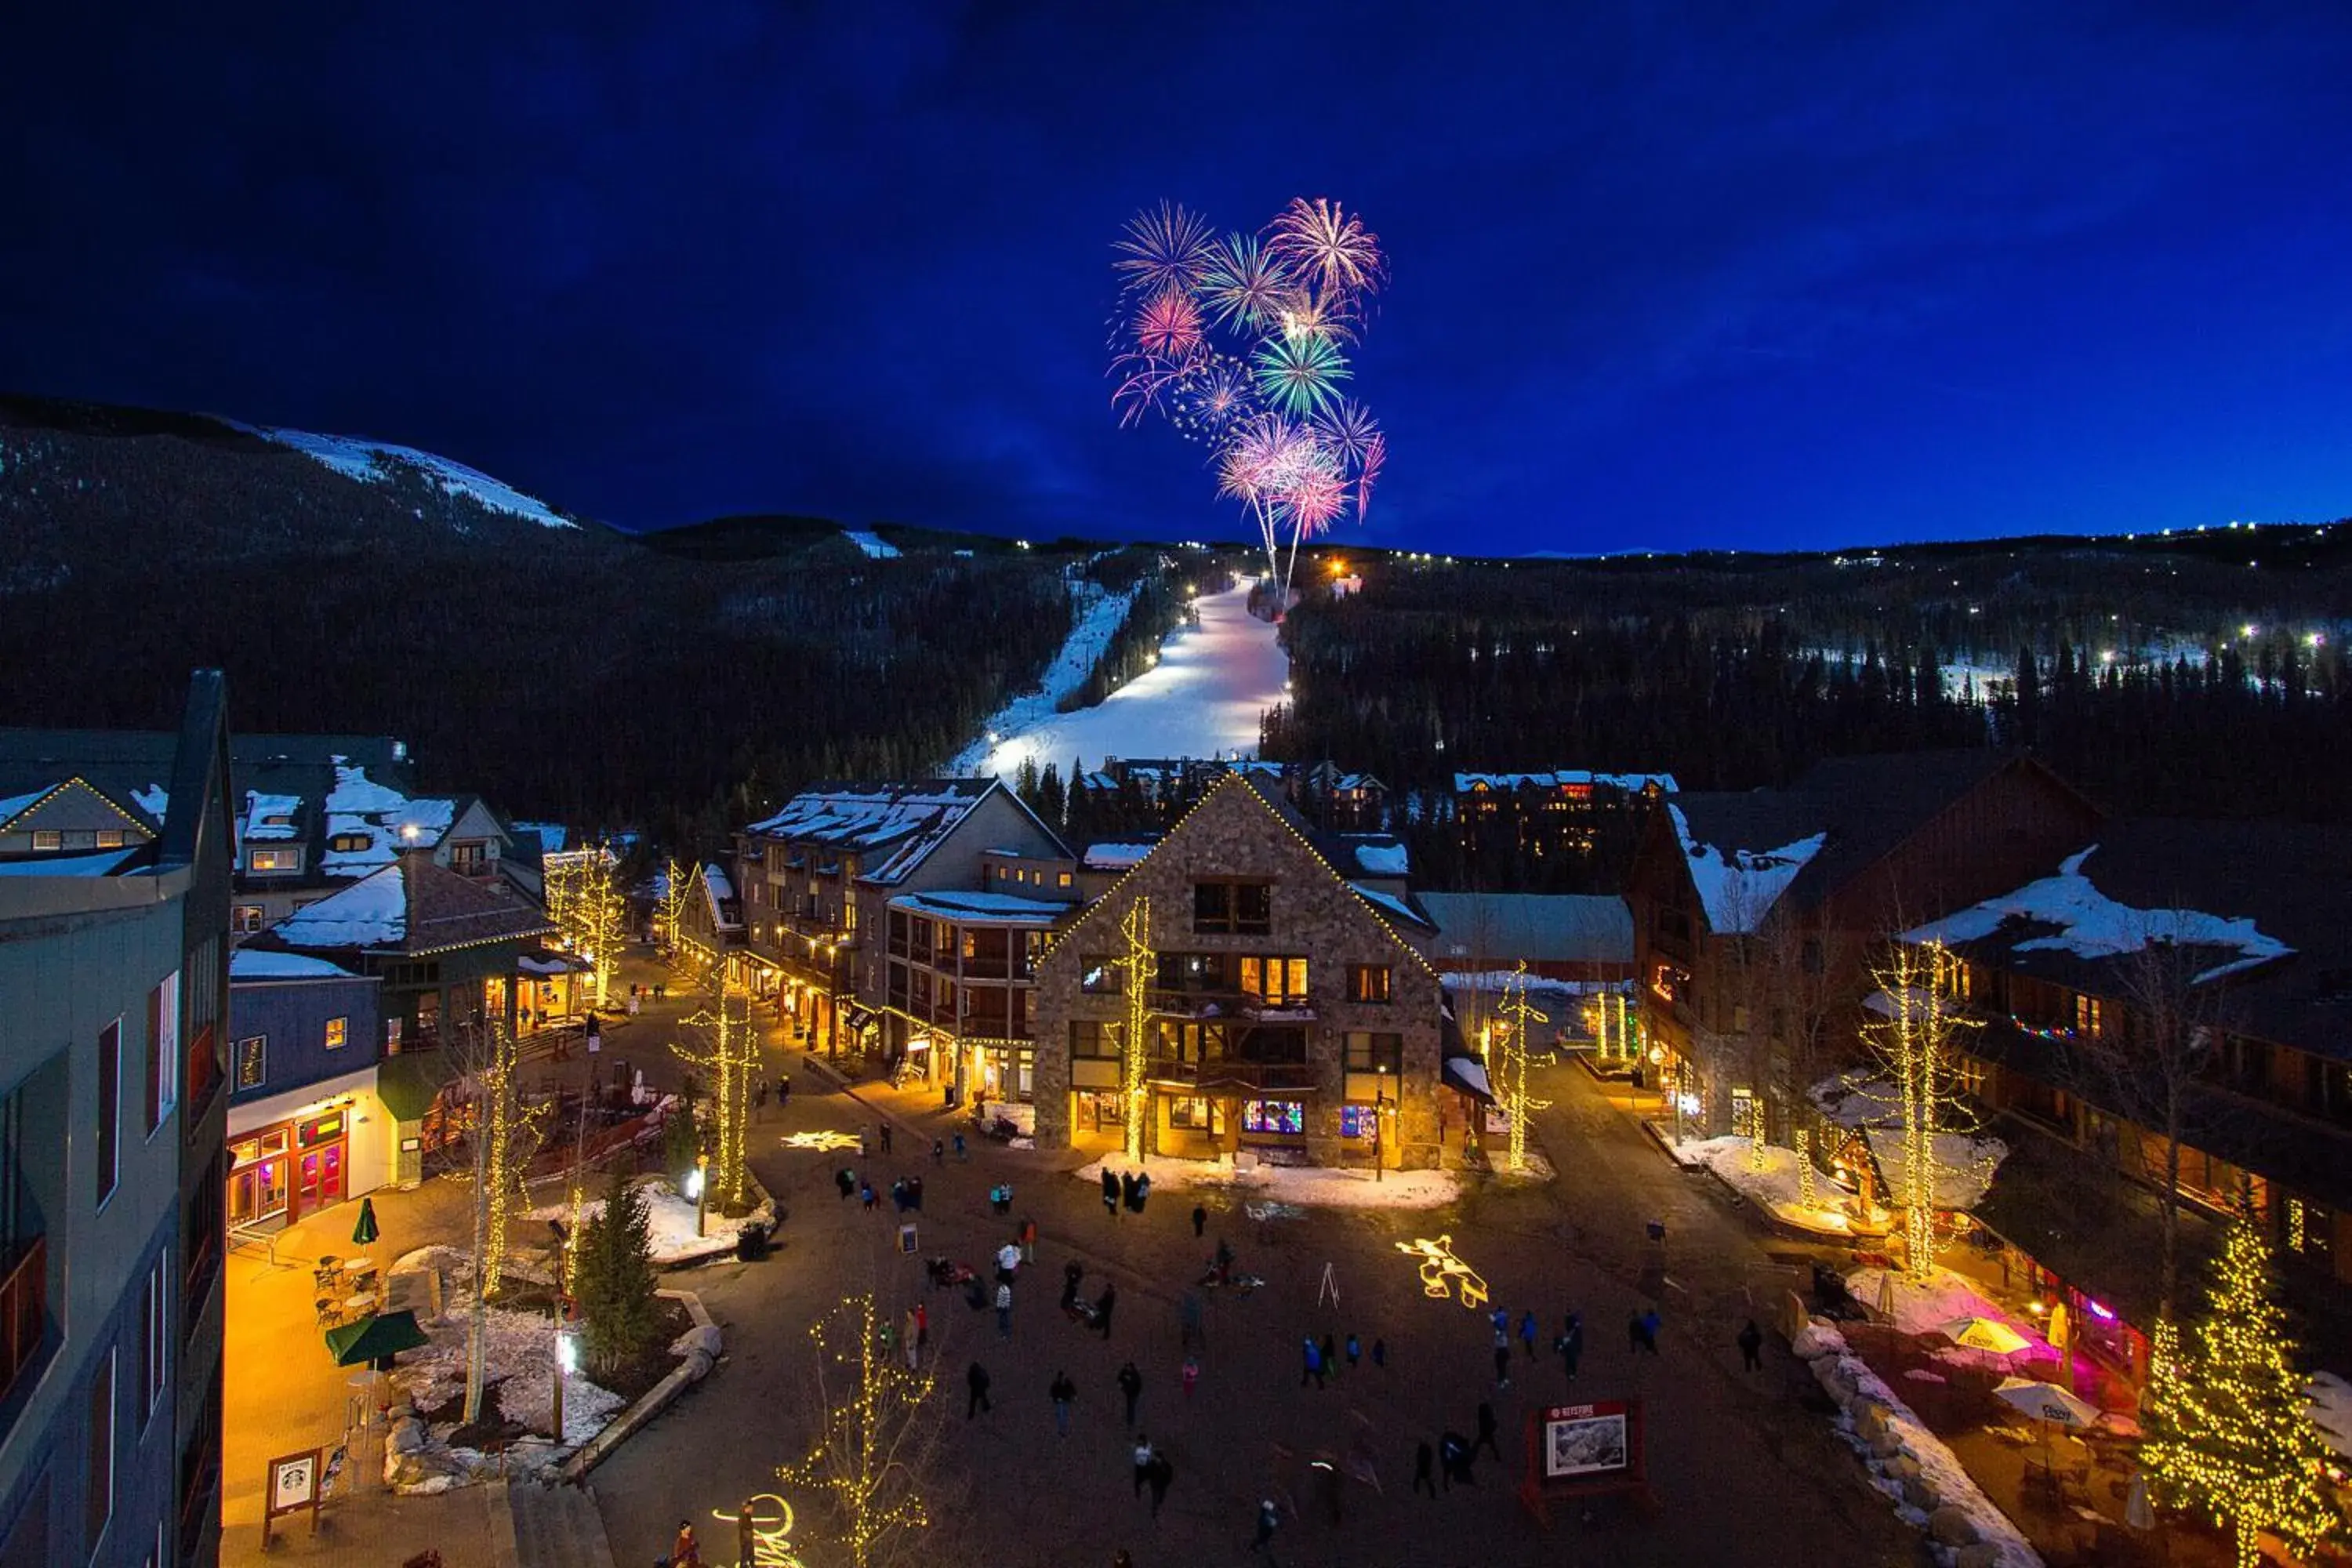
(1356, 1120)
(1277, 982)
(349, 843)
(253, 1061)
(2086, 1014)
(48, 838)
(1192, 1111)
(1273, 1116)
(1063, 881)
(274, 861)
(109, 838)
(1368, 982)
(336, 1028)
(1098, 975)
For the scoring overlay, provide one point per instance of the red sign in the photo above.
(1582, 1449)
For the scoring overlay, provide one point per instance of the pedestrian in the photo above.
(1126, 1189)
(939, 1152)
(975, 1379)
(784, 1090)
(866, 1195)
(1424, 1468)
(910, 1337)
(1122, 1559)
(1528, 1333)
(1752, 1347)
(846, 1180)
(1110, 1194)
(865, 1142)
(1268, 1516)
(886, 1137)
(1355, 1352)
(1006, 1199)
(1143, 1458)
(1192, 1373)
(1381, 1354)
(923, 1327)
(1028, 1241)
(1187, 1316)
(686, 1552)
(1072, 1273)
(1330, 1353)
(1004, 1312)
(1142, 1191)
(1063, 1391)
(746, 1535)
(1103, 1304)
(1008, 1261)
(1503, 1365)
(1487, 1427)
(1570, 1345)
(1200, 1221)
(1453, 1449)
(1501, 1319)
(1130, 1382)
(1163, 1475)
(1310, 1363)
(1649, 1324)
(960, 1156)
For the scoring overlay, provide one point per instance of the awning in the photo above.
(372, 1339)
(854, 1017)
(409, 1083)
(1468, 1074)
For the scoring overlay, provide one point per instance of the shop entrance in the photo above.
(322, 1178)
(258, 1177)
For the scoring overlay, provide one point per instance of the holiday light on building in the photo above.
(511, 1133)
(1805, 1167)
(2227, 1424)
(869, 1457)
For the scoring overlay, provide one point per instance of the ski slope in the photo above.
(1202, 699)
(358, 459)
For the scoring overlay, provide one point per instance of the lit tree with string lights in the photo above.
(1918, 1043)
(882, 1431)
(1137, 971)
(670, 909)
(2228, 1426)
(1517, 1017)
(599, 915)
(729, 1060)
(506, 1134)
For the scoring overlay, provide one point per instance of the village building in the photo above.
(1755, 914)
(1564, 812)
(1288, 1009)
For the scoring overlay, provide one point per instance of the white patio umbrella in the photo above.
(2136, 1511)
(1984, 1335)
(2047, 1402)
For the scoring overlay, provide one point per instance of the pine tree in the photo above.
(613, 1281)
(2229, 1429)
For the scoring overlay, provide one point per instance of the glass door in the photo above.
(322, 1178)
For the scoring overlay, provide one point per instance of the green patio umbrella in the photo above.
(373, 1339)
(364, 1233)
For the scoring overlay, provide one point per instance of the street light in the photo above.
(1379, 1116)
(702, 1193)
(567, 1360)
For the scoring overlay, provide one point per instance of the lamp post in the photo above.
(702, 1193)
(1379, 1119)
(567, 1352)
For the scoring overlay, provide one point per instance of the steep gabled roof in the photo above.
(895, 826)
(1542, 928)
(411, 907)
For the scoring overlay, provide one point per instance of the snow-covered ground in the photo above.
(1775, 1187)
(1946, 1298)
(357, 457)
(875, 547)
(673, 1217)
(1202, 699)
(1095, 615)
(1310, 1187)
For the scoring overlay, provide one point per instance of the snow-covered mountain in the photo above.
(359, 459)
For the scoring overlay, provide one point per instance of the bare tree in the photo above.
(729, 1057)
(2147, 1066)
(504, 1134)
(875, 1457)
(1916, 1041)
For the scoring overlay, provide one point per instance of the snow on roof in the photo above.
(974, 908)
(371, 912)
(1390, 905)
(154, 800)
(67, 864)
(873, 544)
(715, 875)
(1115, 857)
(1631, 783)
(718, 892)
(362, 459)
(269, 816)
(1739, 887)
(354, 792)
(1382, 860)
(2331, 1411)
(266, 964)
(549, 833)
(16, 806)
(908, 820)
(358, 807)
(2091, 925)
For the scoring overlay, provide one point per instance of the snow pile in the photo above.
(877, 548)
(1313, 1186)
(261, 812)
(1499, 979)
(1946, 1296)
(2091, 925)
(1965, 1164)
(154, 800)
(1773, 1188)
(371, 912)
(1382, 860)
(1739, 887)
(1204, 698)
(1931, 1488)
(366, 461)
(1115, 857)
(261, 963)
(1095, 617)
(672, 1214)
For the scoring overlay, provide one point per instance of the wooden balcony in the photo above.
(1233, 1072)
(1245, 1007)
(24, 1312)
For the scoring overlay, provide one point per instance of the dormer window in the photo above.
(350, 843)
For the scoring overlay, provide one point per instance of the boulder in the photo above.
(1921, 1496)
(704, 1340)
(1976, 1554)
(1815, 1340)
(1903, 1468)
(407, 1436)
(1950, 1526)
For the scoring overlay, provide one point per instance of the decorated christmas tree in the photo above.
(2229, 1429)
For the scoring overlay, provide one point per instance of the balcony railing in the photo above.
(1235, 1071)
(1245, 1005)
(24, 1312)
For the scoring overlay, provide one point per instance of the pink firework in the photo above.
(1170, 248)
(1168, 327)
(1376, 452)
(1143, 380)
(1316, 500)
(1320, 243)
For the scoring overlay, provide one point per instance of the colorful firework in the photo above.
(1212, 397)
(1299, 373)
(1168, 327)
(1170, 248)
(1376, 452)
(1347, 427)
(1322, 244)
(1247, 289)
(1317, 501)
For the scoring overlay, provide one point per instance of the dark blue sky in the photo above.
(1665, 275)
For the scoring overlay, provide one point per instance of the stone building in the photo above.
(1287, 1010)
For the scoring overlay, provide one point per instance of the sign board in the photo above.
(1582, 1449)
(294, 1484)
(907, 1239)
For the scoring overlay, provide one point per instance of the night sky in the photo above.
(1665, 275)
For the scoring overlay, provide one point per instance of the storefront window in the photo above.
(1273, 1116)
(1356, 1120)
(1189, 1110)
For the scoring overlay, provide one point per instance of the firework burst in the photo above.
(1347, 427)
(1212, 397)
(1247, 289)
(1167, 248)
(1376, 452)
(1168, 327)
(1299, 373)
(1320, 243)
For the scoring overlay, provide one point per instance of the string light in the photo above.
(732, 1061)
(1439, 1264)
(1139, 964)
(1918, 1045)
(2229, 1427)
(856, 1461)
(1513, 1078)
(511, 1124)
(1805, 1167)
